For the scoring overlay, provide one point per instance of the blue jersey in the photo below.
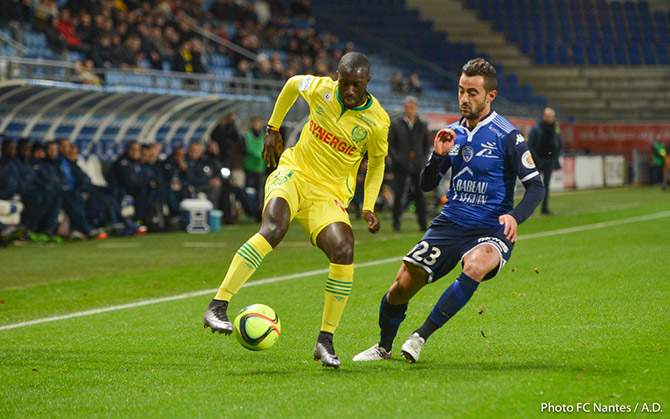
(485, 163)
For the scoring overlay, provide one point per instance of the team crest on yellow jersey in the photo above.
(358, 134)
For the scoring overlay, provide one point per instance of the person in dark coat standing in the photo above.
(409, 146)
(546, 145)
(231, 146)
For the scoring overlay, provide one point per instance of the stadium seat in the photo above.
(648, 54)
(634, 54)
(578, 54)
(606, 54)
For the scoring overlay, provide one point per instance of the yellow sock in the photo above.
(245, 262)
(338, 287)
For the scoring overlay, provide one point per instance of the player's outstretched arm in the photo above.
(273, 147)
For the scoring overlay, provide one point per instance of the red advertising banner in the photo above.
(601, 139)
(437, 121)
(618, 139)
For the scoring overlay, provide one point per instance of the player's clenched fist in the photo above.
(444, 140)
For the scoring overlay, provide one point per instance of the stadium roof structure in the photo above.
(111, 115)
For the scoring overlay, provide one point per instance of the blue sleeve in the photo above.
(522, 162)
(434, 171)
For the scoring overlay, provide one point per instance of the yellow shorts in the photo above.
(315, 208)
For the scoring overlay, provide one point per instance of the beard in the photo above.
(474, 113)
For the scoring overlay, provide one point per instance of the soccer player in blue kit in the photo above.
(478, 224)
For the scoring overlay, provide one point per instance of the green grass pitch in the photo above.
(579, 315)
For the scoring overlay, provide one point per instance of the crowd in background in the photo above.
(162, 34)
(52, 179)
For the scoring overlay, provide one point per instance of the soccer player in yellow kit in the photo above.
(314, 182)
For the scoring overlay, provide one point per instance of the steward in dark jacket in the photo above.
(409, 146)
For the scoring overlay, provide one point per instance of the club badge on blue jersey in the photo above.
(468, 152)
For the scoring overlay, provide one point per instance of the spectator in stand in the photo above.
(23, 150)
(85, 31)
(264, 71)
(10, 175)
(15, 12)
(127, 178)
(175, 180)
(157, 45)
(66, 28)
(186, 61)
(153, 177)
(414, 85)
(409, 147)
(42, 206)
(18, 176)
(243, 71)
(86, 73)
(254, 165)
(76, 189)
(44, 13)
(397, 83)
(37, 151)
(105, 55)
(203, 177)
(546, 145)
(131, 52)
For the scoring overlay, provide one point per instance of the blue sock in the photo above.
(453, 299)
(390, 317)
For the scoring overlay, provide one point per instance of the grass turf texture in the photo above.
(575, 317)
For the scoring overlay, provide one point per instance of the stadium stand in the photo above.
(607, 60)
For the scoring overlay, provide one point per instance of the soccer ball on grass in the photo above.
(257, 327)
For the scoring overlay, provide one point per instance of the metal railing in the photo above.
(163, 81)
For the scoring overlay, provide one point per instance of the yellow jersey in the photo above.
(335, 139)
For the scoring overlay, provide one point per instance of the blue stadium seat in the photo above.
(648, 54)
(662, 54)
(550, 54)
(606, 54)
(619, 54)
(634, 57)
(593, 54)
(578, 54)
(563, 54)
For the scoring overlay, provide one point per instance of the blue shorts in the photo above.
(446, 243)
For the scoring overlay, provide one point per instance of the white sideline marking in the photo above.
(322, 271)
(118, 245)
(596, 225)
(203, 244)
(187, 295)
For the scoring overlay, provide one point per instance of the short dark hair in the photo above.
(354, 61)
(481, 67)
